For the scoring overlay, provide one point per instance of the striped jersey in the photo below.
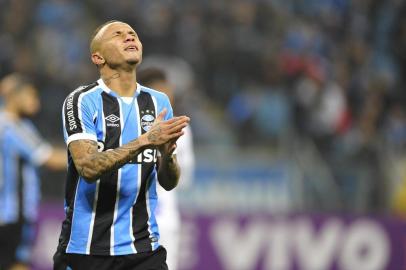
(22, 150)
(115, 214)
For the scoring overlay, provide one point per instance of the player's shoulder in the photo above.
(6, 121)
(161, 97)
(10, 127)
(84, 94)
(83, 89)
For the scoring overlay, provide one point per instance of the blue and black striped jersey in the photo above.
(114, 215)
(22, 150)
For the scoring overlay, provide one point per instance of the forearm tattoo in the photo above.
(168, 172)
(91, 164)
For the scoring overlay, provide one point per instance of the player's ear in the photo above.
(97, 59)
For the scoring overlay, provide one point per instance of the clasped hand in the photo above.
(164, 133)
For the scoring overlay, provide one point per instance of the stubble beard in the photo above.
(135, 62)
(127, 65)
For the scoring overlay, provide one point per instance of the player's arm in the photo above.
(30, 144)
(92, 164)
(168, 170)
(56, 159)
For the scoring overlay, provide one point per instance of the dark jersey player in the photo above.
(118, 133)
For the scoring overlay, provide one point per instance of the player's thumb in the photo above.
(161, 115)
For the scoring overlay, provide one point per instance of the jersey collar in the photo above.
(111, 92)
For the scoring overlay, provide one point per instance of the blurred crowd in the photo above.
(264, 73)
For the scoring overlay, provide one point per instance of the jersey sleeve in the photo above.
(77, 115)
(26, 139)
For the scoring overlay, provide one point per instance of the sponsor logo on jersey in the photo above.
(146, 156)
(111, 120)
(147, 121)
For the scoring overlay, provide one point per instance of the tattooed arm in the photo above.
(91, 164)
(168, 167)
(168, 171)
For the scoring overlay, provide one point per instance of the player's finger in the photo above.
(180, 121)
(172, 120)
(177, 128)
(176, 119)
(176, 134)
(161, 115)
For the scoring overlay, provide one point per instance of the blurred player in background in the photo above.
(114, 128)
(22, 150)
(167, 212)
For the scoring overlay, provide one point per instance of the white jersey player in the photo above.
(167, 211)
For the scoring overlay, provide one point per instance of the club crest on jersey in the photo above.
(111, 120)
(147, 121)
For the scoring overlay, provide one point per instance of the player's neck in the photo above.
(124, 83)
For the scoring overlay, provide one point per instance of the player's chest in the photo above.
(119, 120)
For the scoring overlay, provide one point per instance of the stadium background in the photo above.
(298, 113)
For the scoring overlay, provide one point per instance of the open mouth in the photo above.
(131, 48)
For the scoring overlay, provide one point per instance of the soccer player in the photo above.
(22, 150)
(167, 212)
(114, 128)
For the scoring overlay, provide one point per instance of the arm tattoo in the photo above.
(154, 133)
(168, 172)
(91, 164)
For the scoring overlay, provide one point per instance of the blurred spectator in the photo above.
(167, 212)
(291, 69)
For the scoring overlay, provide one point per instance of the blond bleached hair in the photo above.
(93, 40)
